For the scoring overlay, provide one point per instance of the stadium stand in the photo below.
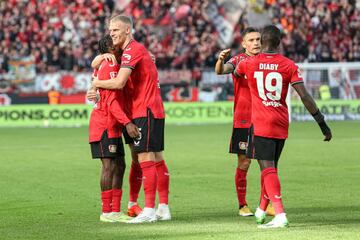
(62, 35)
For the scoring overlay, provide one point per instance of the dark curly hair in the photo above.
(105, 44)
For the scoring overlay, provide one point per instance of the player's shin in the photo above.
(135, 181)
(272, 188)
(163, 179)
(118, 169)
(149, 180)
(264, 199)
(240, 183)
(106, 185)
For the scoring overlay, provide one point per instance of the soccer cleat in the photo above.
(119, 217)
(106, 217)
(270, 211)
(279, 221)
(260, 216)
(245, 211)
(163, 212)
(134, 210)
(147, 215)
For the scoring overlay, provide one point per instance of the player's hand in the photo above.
(110, 57)
(326, 131)
(224, 54)
(95, 82)
(91, 95)
(132, 130)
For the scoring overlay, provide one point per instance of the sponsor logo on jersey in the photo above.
(112, 148)
(271, 104)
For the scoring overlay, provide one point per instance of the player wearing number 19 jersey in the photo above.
(269, 75)
(242, 113)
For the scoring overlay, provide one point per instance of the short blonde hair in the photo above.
(123, 18)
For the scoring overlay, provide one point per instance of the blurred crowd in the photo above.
(318, 30)
(63, 34)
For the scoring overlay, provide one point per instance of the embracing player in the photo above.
(147, 113)
(242, 113)
(135, 175)
(106, 122)
(269, 75)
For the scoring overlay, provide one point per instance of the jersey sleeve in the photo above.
(233, 61)
(117, 111)
(131, 57)
(95, 73)
(240, 69)
(296, 75)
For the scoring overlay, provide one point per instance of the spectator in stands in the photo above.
(179, 32)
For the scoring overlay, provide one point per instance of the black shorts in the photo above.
(107, 147)
(238, 141)
(127, 138)
(262, 148)
(151, 134)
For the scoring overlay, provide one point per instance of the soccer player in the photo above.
(105, 140)
(135, 176)
(242, 114)
(269, 75)
(147, 113)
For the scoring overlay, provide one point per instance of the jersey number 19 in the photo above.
(273, 91)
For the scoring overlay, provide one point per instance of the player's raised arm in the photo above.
(115, 83)
(220, 67)
(310, 105)
(99, 58)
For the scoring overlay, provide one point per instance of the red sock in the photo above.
(116, 200)
(240, 183)
(272, 187)
(264, 198)
(135, 180)
(150, 180)
(163, 182)
(106, 198)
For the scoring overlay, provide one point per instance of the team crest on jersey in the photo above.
(112, 148)
(243, 145)
(127, 56)
(113, 74)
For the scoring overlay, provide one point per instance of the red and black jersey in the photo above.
(242, 97)
(143, 82)
(108, 112)
(269, 76)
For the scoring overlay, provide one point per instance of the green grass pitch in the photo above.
(50, 187)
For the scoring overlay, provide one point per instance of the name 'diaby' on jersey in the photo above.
(267, 66)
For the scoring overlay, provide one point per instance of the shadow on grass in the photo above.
(330, 215)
